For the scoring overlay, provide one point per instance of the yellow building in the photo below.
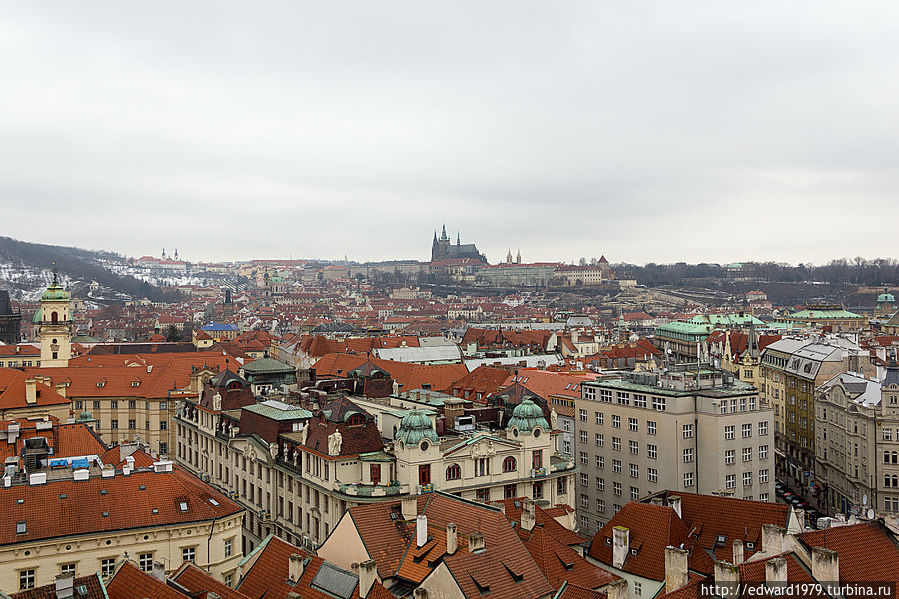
(55, 326)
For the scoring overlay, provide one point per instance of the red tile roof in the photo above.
(856, 545)
(66, 440)
(129, 582)
(12, 392)
(92, 584)
(126, 506)
(560, 562)
(196, 580)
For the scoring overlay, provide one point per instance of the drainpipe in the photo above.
(208, 546)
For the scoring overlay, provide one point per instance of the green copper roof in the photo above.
(414, 427)
(822, 314)
(527, 416)
(886, 297)
(55, 292)
(36, 319)
(267, 365)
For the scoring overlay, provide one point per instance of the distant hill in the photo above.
(26, 267)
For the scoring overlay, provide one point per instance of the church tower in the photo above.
(56, 326)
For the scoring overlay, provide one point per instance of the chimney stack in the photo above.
(674, 503)
(421, 593)
(65, 586)
(368, 573)
(620, 546)
(295, 567)
(30, 391)
(410, 507)
(452, 538)
(776, 571)
(617, 589)
(727, 575)
(773, 539)
(158, 571)
(676, 572)
(738, 552)
(476, 542)
(825, 565)
(528, 514)
(421, 530)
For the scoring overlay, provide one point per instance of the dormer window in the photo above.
(355, 420)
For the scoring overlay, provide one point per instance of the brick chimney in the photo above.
(620, 545)
(528, 514)
(295, 567)
(825, 565)
(726, 574)
(452, 538)
(676, 575)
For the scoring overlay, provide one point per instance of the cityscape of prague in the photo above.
(408, 300)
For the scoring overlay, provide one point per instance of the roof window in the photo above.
(182, 506)
(106, 514)
(20, 528)
(213, 501)
(155, 511)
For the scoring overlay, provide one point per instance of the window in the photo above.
(747, 454)
(114, 424)
(635, 471)
(747, 430)
(650, 427)
(566, 447)
(132, 404)
(145, 562)
(600, 505)
(616, 421)
(632, 425)
(599, 417)
(483, 495)
(763, 452)
(751, 399)
(599, 439)
(633, 447)
(616, 488)
(582, 414)
(639, 400)
(26, 580)
(651, 452)
(763, 497)
(616, 443)
(585, 500)
(585, 479)
(747, 479)
(652, 474)
(114, 404)
(638, 589)
(583, 436)
(163, 405)
(635, 493)
(566, 425)
(729, 432)
(163, 425)
(107, 566)
(132, 423)
(510, 464)
(688, 431)
(616, 466)
(510, 491)
(623, 398)
(96, 405)
(537, 459)
(887, 434)
(688, 479)
(730, 481)
(729, 456)
(605, 395)
(763, 429)
(453, 472)
(424, 474)
(733, 406)
(537, 490)
(658, 403)
(188, 554)
(763, 476)
(482, 467)
(600, 484)
(688, 454)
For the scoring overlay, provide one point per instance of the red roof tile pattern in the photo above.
(543, 519)
(560, 563)
(66, 440)
(196, 580)
(12, 392)
(857, 545)
(409, 376)
(130, 582)
(124, 505)
(92, 584)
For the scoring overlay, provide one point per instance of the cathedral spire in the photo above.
(509, 257)
(458, 237)
(443, 235)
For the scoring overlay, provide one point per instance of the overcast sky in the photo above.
(645, 131)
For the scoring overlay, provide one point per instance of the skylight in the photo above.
(213, 501)
(183, 506)
(20, 528)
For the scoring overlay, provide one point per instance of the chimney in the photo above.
(676, 574)
(421, 530)
(674, 503)
(158, 571)
(825, 565)
(657, 501)
(211, 595)
(773, 539)
(476, 542)
(410, 507)
(727, 574)
(738, 552)
(295, 567)
(528, 514)
(368, 573)
(620, 545)
(30, 391)
(617, 589)
(65, 586)
(452, 538)
(421, 593)
(776, 571)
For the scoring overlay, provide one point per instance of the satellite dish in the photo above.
(870, 514)
(865, 499)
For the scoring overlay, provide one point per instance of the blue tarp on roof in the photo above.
(59, 462)
(82, 463)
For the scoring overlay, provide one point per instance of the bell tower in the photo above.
(56, 325)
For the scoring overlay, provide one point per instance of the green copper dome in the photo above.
(414, 427)
(36, 319)
(886, 297)
(85, 416)
(527, 416)
(55, 292)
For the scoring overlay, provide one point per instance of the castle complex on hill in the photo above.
(443, 249)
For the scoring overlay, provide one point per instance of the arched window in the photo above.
(886, 457)
(233, 386)
(54, 317)
(355, 420)
(895, 481)
(509, 464)
(453, 472)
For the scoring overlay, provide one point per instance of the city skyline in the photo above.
(646, 133)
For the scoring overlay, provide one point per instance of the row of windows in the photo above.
(624, 398)
(114, 404)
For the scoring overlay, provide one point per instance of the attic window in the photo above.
(155, 511)
(102, 491)
(101, 383)
(608, 540)
(20, 528)
(633, 552)
(135, 383)
(20, 501)
(213, 501)
(106, 514)
(63, 496)
(750, 545)
(142, 487)
(517, 576)
(182, 506)
(720, 540)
